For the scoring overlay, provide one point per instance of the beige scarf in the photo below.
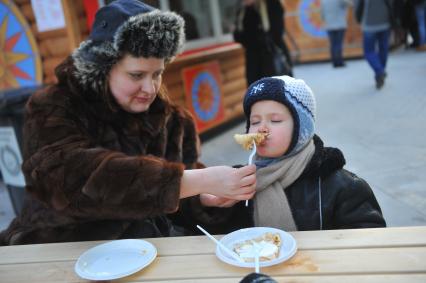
(271, 208)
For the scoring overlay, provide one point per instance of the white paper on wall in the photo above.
(10, 158)
(49, 14)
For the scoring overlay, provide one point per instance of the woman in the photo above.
(260, 29)
(106, 155)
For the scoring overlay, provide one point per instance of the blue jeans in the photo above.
(421, 15)
(376, 47)
(336, 45)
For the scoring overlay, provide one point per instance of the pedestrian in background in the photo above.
(260, 29)
(334, 15)
(421, 21)
(409, 23)
(376, 17)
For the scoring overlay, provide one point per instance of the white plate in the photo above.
(115, 259)
(288, 247)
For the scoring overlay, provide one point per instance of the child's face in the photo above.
(274, 118)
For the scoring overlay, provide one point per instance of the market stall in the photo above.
(208, 78)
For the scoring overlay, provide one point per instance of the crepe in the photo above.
(246, 140)
(268, 245)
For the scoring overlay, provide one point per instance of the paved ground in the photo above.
(382, 133)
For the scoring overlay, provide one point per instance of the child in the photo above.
(301, 185)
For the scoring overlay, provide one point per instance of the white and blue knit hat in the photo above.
(293, 93)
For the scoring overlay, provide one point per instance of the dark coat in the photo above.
(325, 196)
(95, 173)
(254, 39)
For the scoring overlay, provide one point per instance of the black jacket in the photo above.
(257, 42)
(325, 196)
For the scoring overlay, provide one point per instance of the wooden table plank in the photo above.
(345, 262)
(375, 278)
(361, 238)
(307, 240)
(388, 278)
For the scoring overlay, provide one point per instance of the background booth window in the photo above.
(153, 3)
(197, 15)
(228, 10)
(208, 22)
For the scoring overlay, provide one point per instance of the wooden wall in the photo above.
(55, 45)
(231, 61)
(304, 46)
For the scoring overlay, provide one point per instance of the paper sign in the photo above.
(49, 14)
(10, 158)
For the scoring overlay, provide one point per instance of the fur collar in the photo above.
(105, 108)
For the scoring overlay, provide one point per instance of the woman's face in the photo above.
(135, 82)
(274, 118)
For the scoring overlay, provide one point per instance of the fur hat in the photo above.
(126, 26)
(296, 95)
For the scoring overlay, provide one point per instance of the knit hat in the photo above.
(296, 95)
(126, 26)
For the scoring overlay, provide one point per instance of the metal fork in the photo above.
(253, 151)
(257, 249)
(250, 160)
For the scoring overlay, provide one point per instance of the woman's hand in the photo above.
(231, 183)
(221, 181)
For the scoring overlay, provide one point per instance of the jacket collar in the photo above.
(325, 160)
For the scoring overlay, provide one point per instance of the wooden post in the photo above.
(72, 24)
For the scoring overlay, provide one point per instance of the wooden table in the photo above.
(365, 255)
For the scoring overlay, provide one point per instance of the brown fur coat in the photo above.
(96, 172)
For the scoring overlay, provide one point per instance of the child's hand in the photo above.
(211, 200)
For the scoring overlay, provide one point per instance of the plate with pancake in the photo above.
(273, 245)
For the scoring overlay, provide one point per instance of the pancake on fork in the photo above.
(246, 140)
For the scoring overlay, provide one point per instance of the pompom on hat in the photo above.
(296, 95)
(127, 26)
